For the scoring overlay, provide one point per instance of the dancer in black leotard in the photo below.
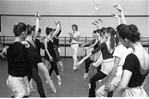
(56, 44)
(34, 41)
(41, 66)
(50, 54)
(33, 56)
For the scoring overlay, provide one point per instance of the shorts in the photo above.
(98, 62)
(135, 92)
(107, 66)
(17, 86)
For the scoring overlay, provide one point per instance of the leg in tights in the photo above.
(98, 68)
(38, 81)
(53, 67)
(98, 76)
(87, 64)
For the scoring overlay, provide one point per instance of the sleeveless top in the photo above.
(56, 40)
(32, 53)
(50, 47)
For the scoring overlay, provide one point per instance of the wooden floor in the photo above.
(73, 84)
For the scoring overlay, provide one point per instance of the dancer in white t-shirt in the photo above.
(74, 40)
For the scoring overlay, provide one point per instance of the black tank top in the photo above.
(56, 41)
(32, 53)
(51, 48)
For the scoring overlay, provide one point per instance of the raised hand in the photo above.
(70, 34)
(115, 15)
(100, 20)
(94, 23)
(57, 22)
(38, 15)
(118, 7)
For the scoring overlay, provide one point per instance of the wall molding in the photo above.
(27, 15)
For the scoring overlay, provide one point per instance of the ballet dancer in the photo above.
(18, 64)
(119, 54)
(50, 54)
(106, 48)
(55, 37)
(92, 44)
(136, 65)
(74, 40)
(33, 48)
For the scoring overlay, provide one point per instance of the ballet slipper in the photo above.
(62, 68)
(52, 87)
(59, 80)
(48, 82)
(29, 91)
(32, 90)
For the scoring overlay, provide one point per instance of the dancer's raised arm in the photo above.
(37, 25)
(117, 17)
(118, 7)
(57, 29)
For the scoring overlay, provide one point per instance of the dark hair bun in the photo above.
(15, 29)
(19, 28)
(29, 29)
(119, 27)
(134, 33)
(48, 30)
(130, 32)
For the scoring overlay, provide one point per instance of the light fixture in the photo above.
(97, 7)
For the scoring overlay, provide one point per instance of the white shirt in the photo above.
(75, 35)
(121, 51)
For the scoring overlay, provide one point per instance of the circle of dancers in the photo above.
(115, 59)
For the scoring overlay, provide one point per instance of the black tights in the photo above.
(87, 64)
(38, 81)
(53, 68)
(98, 76)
